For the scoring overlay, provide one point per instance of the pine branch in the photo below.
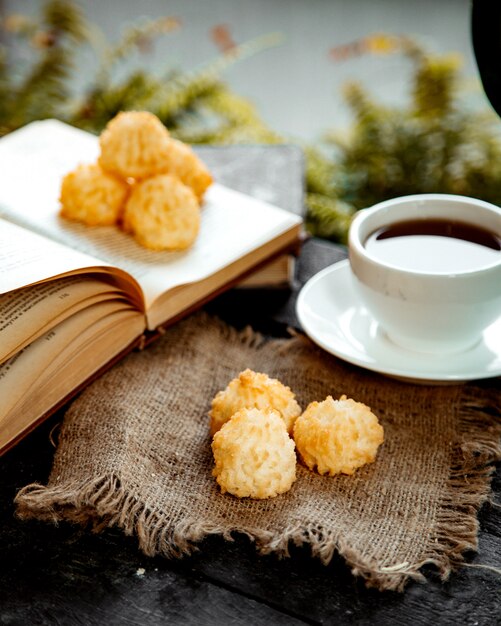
(182, 90)
(41, 91)
(64, 19)
(139, 37)
(328, 217)
(429, 146)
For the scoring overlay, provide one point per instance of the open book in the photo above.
(76, 298)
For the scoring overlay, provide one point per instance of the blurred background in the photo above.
(383, 96)
(297, 84)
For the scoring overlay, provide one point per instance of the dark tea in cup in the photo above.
(435, 245)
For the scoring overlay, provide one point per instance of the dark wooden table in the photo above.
(66, 575)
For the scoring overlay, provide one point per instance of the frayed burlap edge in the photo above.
(104, 503)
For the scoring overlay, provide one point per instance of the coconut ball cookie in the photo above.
(134, 144)
(92, 196)
(253, 390)
(337, 436)
(182, 162)
(254, 456)
(162, 214)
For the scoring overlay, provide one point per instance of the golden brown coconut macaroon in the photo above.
(93, 196)
(182, 162)
(337, 436)
(162, 214)
(253, 390)
(134, 144)
(254, 455)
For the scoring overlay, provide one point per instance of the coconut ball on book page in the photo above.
(135, 151)
(162, 214)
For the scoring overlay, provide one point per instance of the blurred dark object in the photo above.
(486, 37)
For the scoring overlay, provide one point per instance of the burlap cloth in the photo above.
(134, 451)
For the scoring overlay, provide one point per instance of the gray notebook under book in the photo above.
(271, 173)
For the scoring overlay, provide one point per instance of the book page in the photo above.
(46, 371)
(27, 258)
(27, 313)
(232, 224)
(278, 272)
(30, 363)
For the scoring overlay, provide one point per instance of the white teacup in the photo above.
(430, 294)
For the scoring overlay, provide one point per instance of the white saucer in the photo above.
(332, 317)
